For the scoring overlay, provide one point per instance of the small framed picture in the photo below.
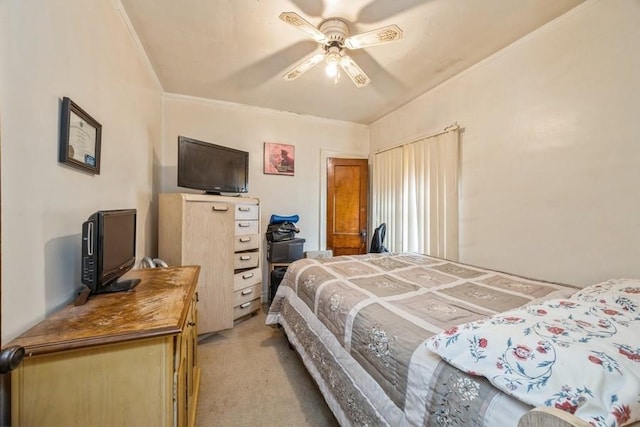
(279, 159)
(80, 136)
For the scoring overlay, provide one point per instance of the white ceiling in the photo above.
(238, 50)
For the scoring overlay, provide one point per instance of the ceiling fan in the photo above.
(333, 36)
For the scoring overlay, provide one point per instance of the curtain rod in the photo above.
(449, 128)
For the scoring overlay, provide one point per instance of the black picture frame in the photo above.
(80, 138)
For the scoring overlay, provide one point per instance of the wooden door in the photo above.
(347, 195)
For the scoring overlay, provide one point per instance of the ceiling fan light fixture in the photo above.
(333, 36)
(333, 63)
(332, 68)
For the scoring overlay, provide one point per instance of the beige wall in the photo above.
(550, 167)
(84, 51)
(248, 128)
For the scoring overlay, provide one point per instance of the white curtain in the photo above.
(415, 192)
(386, 199)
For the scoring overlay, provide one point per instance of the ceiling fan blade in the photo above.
(385, 34)
(304, 66)
(303, 25)
(359, 78)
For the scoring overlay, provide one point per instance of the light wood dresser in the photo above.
(121, 359)
(222, 235)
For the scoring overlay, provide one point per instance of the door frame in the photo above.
(324, 155)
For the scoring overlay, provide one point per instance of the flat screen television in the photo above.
(109, 250)
(212, 168)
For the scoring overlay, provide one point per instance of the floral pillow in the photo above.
(624, 293)
(579, 356)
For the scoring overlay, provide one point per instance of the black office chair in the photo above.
(377, 242)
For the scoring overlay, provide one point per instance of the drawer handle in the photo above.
(244, 224)
(245, 258)
(247, 276)
(245, 239)
(247, 292)
(244, 208)
(220, 208)
(245, 305)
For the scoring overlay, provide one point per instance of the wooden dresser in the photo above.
(222, 235)
(126, 358)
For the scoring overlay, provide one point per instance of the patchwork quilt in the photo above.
(360, 324)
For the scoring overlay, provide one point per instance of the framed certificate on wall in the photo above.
(80, 136)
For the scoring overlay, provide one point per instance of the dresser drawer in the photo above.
(244, 227)
(247, 242)
(244, 260)
(246, 278)
(247, 294)
(246, 308)
(247, 212)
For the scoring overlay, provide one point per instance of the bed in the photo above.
(369, 327)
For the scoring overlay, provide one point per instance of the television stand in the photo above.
(114, 347)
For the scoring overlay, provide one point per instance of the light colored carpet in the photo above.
(250, 377)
